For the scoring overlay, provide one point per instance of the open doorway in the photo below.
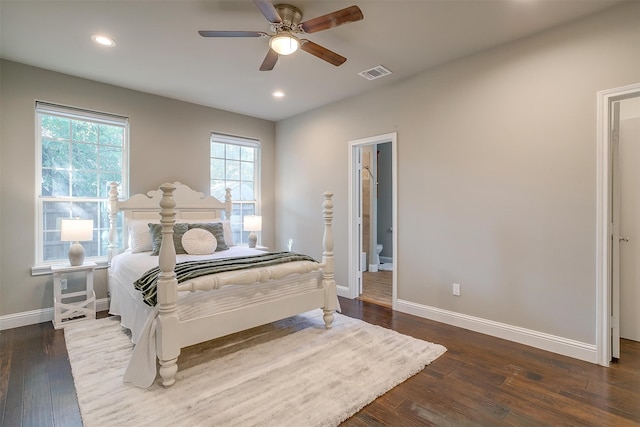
(618, 234)
(373, 219)
(377, 226)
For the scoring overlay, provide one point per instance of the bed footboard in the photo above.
(168, 343)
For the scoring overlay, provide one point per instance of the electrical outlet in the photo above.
(63, 284)
(456, 289)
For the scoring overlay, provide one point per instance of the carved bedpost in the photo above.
(167, 328)
(328, 281)
(227, 204)
(112, 208)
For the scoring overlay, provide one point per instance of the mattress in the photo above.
(127, 302)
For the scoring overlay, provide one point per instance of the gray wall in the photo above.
(497, 174)
(169, 141)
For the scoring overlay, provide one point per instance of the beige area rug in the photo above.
(288, 373)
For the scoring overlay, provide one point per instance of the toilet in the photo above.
(378, 251)
(376, 261)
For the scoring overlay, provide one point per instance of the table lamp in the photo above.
(76, 231)
(252, 223)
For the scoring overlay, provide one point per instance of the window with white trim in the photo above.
(78, 153)
(235, 164)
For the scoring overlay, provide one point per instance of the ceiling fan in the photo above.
(286, 26)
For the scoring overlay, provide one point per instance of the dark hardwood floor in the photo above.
(487, 381)
(479, 381)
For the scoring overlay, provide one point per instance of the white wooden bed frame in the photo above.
(179, 201)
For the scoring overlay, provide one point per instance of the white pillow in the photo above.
(139, 236)
(226, 227)
(198, 241)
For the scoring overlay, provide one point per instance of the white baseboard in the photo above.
(16, 320)
(541, 340)
(343, 291)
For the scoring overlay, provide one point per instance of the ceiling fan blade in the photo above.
(330, 20)
(268, 10)
(233, 34)
(269, 60)
(322, 52)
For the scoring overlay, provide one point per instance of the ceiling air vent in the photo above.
(374, 73)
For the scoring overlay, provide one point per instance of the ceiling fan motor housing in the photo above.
(290, 15)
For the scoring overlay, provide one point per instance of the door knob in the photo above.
(623, 239)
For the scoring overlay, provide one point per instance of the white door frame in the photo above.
(603, 218)
(354, 229)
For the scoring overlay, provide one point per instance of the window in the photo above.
(79, 153)
(235, 164)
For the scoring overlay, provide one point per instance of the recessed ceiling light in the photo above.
(278, 94)
(103, 40)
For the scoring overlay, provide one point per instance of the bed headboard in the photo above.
(191, 205)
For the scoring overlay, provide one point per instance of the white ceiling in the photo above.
(159, 50)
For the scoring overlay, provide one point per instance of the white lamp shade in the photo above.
(252, 223)
(76, 230)
(284, 44)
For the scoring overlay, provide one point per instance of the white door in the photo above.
(358, 176)
(363, 262)
(615, 232)
(629, 251)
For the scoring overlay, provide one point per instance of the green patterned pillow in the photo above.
(156, 237)
(216, 229)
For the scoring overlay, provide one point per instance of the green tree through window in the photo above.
(80, 153)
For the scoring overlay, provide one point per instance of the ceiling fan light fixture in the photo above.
(284, 43)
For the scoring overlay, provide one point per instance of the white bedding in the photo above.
(127, 303)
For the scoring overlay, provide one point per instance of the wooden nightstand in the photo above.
(68, 312)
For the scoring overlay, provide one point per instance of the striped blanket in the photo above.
(191, 269)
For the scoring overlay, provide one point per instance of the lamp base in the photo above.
(253, 239)
(76, 254)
